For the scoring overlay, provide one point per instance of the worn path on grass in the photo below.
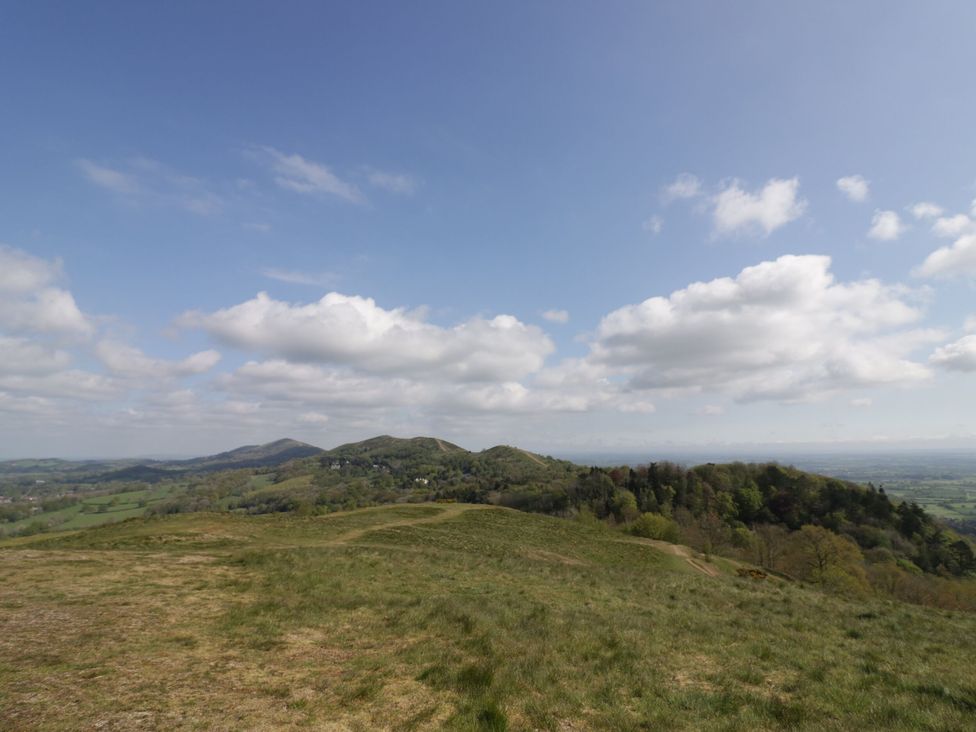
(448, 512)
(678, 550)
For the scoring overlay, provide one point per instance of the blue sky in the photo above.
(456, 173)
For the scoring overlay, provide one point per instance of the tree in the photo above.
(828, 559)
(771, 542)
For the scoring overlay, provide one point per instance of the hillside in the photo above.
(847, 537)
(447, 617)
(248, 456)
(417, 453)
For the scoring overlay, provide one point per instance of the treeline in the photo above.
(19, 510)
(809, 527)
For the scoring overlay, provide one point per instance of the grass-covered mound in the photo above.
(447, 616)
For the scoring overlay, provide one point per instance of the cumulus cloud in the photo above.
(343, 389)
(774, 205)
(352, 330)
(886, 226)
(30, 300)
(951, 227)
(782, 329)
(556, 316)
(926, 210)
(296, 173)
(855, 187)
(399, 183)
(958, 259)
(127, 360)
(957, 356)
(71, 384)
(23, 356)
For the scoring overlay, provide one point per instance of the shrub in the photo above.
(655, 526)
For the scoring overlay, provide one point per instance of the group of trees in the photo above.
(809, 527)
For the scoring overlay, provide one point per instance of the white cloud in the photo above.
(556, 316)
(956, 260)
(298, 277)
(109, 178)
(855, 187)
(886, 226)
(355, 331)
(127, 360)
(861, 402)
(313, 418)
(343, 390)
(29, 301)
(21, 272)
(951, 227)
(710, 410)
(23, 356)
(969, 326)
(775, 205)
(69, 384)
(926, 210)
(295, 173)
(654, 225)
(957, 356)
(781, 330)
(399, 183)
(146, 181)
(684, 186)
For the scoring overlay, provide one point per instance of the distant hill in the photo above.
(397, 451)
(415, 454)
(249, 456)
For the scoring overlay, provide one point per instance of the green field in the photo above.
(447, 617)
(100, 509)
(949, 499)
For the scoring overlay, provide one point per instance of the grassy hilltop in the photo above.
(448, 616)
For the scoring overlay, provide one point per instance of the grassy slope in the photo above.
(429, 617)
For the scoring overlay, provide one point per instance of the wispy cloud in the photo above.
(684, 186)
(296, 173)
(109, 178)
(145, 181)
(297, 277)
(654, 225)
(399, 183)
(556, 316)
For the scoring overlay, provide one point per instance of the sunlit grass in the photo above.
(430, 617)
